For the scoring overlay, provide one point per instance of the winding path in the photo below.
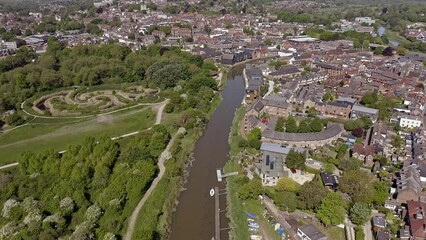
(93, 115)
(158, 118)
(165, 155)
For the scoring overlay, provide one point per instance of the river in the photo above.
(194, 218)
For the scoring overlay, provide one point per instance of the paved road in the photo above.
(350, 231)
(279, 216)
(367, 230)
(165, 155)
(270, 89)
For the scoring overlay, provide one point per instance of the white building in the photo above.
(367, 20)
(410, 121)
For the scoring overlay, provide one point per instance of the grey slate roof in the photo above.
(333, 130)
(277, 148)
(360, 108)
(312, 232)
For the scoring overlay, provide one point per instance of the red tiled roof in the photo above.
(416, 224)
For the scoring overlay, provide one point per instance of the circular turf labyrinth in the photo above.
(85, 101)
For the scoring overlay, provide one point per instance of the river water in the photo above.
(194, 218)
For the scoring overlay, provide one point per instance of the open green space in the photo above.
(50, 133)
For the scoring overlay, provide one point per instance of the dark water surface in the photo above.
(194, 217)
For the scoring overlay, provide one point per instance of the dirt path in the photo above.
(9, 165)
(165, 155)
(158, 106)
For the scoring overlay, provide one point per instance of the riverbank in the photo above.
(155, 217)
(236, 207)
(194, 216)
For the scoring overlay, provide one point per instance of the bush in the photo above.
(14, 120)
(359, 233)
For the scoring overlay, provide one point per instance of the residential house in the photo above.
(382, 236)
(285, 71)
(255, 108)
(276, 106)
(359, 111)
(409, 186)
(309, 232)
(334, 109)
(366, 20)
(416, 219)
(409, 121)
(254, 80)
(404, 234)
(310, 140)
(379, 223)
(330, 181)
(330, 69)
(364, 153)
(251, 122)
(272, 163)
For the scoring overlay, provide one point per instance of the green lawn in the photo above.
(44, 134)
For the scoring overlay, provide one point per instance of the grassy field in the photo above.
(43, 134)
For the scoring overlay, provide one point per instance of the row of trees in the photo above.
(305, 125)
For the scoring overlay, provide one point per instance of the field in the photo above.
(69, 115)
(44, 134)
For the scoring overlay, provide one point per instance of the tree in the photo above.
(279, 126)
(304, 126)
(268, 42)
(14, 120)
(366, 44)
(359, 213)
(286, 201)
(358, 132)
(250, 190)
(367, 122)
(349, 164)
(328, 96)
(359, 233)
(358, 185)
(369, 98)
(401, 51)
(381, 194)
(287, 184)
(291, 125)
(296, 160)
(332, 209)
(341, 151)
(253, 138)
(378, 50)
(388, 52)
(317, 125)
(311, 194)
(382, 159)
(329, 168)
(312, 112)
(397, 141)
